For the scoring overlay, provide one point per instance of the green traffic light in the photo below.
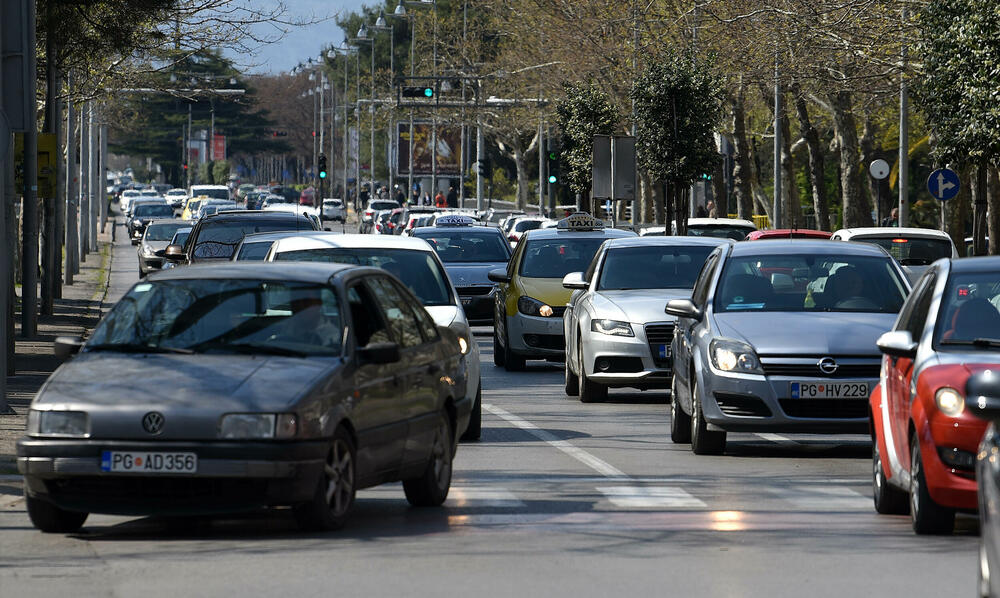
(322, 174)
(552, 156)
(429, 92)
(552, 179)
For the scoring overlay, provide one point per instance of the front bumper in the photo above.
(150, 263)
(950, 486)
(536, 337)
(231, 476)
(757, 403)
(623, 360)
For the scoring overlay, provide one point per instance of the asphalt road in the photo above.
(557, 499)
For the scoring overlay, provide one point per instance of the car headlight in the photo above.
(258, 425)
(58, 423)
(612, 327)
(530, 306)
(950, 401)
(731, 355)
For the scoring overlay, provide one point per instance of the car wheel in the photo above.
(498, 352)
(927, 516)
(680, 422)
(983, 571)
(889, 500)
(512, 362)
(51, 519)
(475, 429)
(572, 381)
(591, 392)
(334, 498)
(703, 441)
(431, 488)
(141, 274)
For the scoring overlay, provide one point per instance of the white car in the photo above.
(333, 209)
(176, 197)
(415, 263)
(211, 191)
(525, 223)
(616, 332)
(307, 211)
(126, 199)
(914, 248)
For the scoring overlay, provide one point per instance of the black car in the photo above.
(290, 384)
(469, 251)
(141, 216)
(216, 237)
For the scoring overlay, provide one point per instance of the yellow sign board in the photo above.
(48, 164)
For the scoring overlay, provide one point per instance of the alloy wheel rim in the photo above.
(441, 464)
(914, 485)
(877, 467)
(339, 471)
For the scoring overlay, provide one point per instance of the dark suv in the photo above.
(215, 237)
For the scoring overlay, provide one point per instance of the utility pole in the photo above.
(904, 139)
(72, 194)
(541, 166)
(480, 154)
(777, 146)
(84, 182)
(102, 177)
(95, 182)
(29, 206)
(58, 206)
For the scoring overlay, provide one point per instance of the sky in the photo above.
(299, 43)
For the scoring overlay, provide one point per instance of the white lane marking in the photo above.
(637, 497)
(819, 498)
(467, 496)
(599, 465)
(775, 438)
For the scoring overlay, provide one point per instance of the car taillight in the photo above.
(512, 238)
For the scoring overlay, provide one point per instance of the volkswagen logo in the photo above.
(152, 422)
(827, 365)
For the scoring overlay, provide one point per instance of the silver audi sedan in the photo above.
(617, 334)
(780, 336)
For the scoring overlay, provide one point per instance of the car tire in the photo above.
(927, 516)
(703, 441)
(572, 382)
(475, 429)
(680, 422)
(512, 362)
(335, 489)
(50, 519)
(431, 488)
(889, 500)
(498, 352)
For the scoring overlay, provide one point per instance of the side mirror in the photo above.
(498, 275)
(65, 347)
(898, 343)
(174, 253)
(982, 395)
(574, 280)
(682, 308)
(379, 353)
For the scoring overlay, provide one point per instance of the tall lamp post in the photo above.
(332, 54)
(363, 38)
(401, 13)
(382, 25)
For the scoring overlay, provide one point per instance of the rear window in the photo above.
(653, 267)
(218, 239)
(213, 193)
(911, 251)
(163, 231)
(463, 245)
(154, 211)
(720, 231)
(255, 251)
(384, 205)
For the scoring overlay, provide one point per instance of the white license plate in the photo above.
(845, 389)
(143, 462)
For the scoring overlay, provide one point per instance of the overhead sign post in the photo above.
(600, 187)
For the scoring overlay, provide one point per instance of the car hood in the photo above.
(807, 333)
(547, 290)
(191, 391)
(474, 273)
(157, 245)
(636, 305)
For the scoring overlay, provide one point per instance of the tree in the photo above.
(585, 111)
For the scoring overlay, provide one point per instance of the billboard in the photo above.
(449, 149)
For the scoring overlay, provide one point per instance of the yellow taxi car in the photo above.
(530, 297)
(191, 206)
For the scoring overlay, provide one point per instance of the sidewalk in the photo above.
(75, 314)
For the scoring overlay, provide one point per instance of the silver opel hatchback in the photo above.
(780, 336)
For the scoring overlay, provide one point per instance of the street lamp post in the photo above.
(363, 37)
(381, 25)
(401, 13)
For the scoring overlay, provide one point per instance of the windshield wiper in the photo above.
(254, 349)
(976, 342)
(137, 348)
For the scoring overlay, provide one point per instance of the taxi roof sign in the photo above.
(455, 220)
(580, 221)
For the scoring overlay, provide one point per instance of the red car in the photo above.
(788, 233)
(924, 441)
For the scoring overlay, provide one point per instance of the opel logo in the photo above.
(827, 365)
(152, 422)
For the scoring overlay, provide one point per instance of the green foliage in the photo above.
(220, 172)
(679, 106)
(205, 173)
(586, 111)
(960, 50)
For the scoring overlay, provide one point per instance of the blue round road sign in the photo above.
(943, 184)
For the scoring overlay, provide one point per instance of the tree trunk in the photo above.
(993, 210)
(857, 210)
(520, 162)
(741, 159)
(648, 197)
(817, 168)
(719, 196)
(869, 153)
(956, 210)
(790, 188)
(681, 207)
(658, 202)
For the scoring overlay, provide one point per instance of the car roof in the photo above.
(321, 240)
(892, 231)
(805, 246)
(253, 215)
(451, 228)
(555, 233)
(986, 263)
(720, 221)
(788, 232)
(166, 221)
(275, 235)
(667, 241)
(210, 187)
(316, 272)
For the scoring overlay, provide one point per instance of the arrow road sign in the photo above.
(943, 184)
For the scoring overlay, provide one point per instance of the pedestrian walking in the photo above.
(440, 201)
(452, 197)
(892, 219)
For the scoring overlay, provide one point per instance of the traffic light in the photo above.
(424, 91)
(484, 168)
(322, 166)
(185, 166)
(706, 177)
(552, 163)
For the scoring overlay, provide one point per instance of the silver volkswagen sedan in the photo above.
(616, 331)
(780, 336)
(262, 384)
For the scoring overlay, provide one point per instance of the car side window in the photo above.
(367, 323)
(512, 265)
(700, 293)
(428, 329)
(915, 317)
(397, 313)
(589, 274)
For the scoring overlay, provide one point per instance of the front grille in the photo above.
(741, 405)
(825, 408)
(473, 291)
(656, 335)
(811, 370)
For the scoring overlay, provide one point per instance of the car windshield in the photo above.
(810, 283)
(969, 316)
(720, 231)
(652, 267)
(383, 205)
(254, 250)
(911, 251)
(417, 269)
(180, 238)
(467, 245)
(210, 192)
(525, 225)
(555, 258)
(162, 231)
(153, 211)
(224, 316)
(218, 239)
